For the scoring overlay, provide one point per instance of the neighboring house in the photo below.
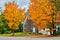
(44, 31)
(28, 25)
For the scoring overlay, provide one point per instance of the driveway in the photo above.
(27, 38)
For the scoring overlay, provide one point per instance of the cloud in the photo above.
(21, 3)
(2, 3)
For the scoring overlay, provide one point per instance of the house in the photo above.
(28, 25)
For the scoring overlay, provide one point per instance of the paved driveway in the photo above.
(25, 38)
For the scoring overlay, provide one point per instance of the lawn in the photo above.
(22, 34)
(19, 34)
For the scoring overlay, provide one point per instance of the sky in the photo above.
(22, 3)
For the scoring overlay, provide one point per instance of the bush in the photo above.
(7, 32)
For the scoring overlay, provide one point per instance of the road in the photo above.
(27, 38)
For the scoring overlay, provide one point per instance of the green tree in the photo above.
(3, 24)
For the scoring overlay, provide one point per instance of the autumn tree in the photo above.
(57, 5)
(13, 14)
(41, 13)
(38, 11)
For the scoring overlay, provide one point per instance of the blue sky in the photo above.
(22, 3)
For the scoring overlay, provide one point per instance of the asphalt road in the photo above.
(25, 38)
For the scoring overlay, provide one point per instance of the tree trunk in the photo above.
(13, 33)
(51, 31)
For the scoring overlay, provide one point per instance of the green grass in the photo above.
(5, 34)
(19, 34)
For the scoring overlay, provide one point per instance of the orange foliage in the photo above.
(57, 19)
(40, 12)
(13, 14)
